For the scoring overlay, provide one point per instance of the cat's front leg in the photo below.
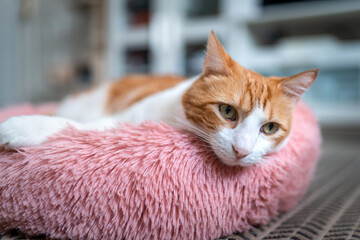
(26, 131)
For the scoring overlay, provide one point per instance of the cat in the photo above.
(241, 114)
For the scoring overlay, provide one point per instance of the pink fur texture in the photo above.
(148, 182)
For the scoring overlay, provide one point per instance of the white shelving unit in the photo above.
(239, 25)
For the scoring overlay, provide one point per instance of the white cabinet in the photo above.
(277, 39)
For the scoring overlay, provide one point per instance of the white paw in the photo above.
(26, 131)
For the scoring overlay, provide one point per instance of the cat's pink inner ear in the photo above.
(296, 85)
(216, 57)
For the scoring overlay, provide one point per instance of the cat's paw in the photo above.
(16, 132)
(23, 131)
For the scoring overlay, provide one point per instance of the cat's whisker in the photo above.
(186, 125)
(195, 130)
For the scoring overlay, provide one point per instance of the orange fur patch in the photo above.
(133, 88)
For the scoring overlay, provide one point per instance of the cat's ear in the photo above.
(295, 86)
(216, 60)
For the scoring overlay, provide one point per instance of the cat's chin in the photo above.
(244, 162)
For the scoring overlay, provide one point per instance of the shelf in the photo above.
(194, 57)
(337, 18)
(306, 53)
(305, 10)
(337, 115)
(201, 8)
(135, 37)
(137, 61)
(282, 38)
(198, 30)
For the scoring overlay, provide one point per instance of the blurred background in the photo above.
(51, 48)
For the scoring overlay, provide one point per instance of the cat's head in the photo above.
(240, 113)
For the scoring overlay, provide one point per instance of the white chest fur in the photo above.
(85, 107)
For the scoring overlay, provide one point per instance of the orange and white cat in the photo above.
(241, 114)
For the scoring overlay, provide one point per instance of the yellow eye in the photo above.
(270, 128)
(228, 112)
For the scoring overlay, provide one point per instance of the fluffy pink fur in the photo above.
(147, 182)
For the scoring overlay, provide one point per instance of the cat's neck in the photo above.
(165, 106)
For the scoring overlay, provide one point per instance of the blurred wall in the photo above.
(50, 48)
(39, 42)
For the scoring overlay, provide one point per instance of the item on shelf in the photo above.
(279, 2)
(137, 61)
(138, 12)
(202, 8)
(194, 59)
(303, 46)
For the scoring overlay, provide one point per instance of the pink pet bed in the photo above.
(147, 181)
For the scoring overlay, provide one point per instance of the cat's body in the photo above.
(149, 97)
(241, 114)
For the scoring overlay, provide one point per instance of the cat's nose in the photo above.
(240, 153)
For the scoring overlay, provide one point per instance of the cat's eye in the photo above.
(270, 128)
(228, 112)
